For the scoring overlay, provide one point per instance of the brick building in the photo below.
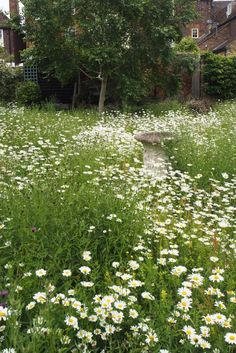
(221, 39)
(201, 25)
(215, 29)
(9, 39)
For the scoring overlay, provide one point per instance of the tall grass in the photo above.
(207, 147)
(96, 255)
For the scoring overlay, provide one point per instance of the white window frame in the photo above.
(195, 33)
(1, 38)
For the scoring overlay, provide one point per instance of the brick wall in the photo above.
(6, 36)
(14, 7)
(13, 42)
(203, 8)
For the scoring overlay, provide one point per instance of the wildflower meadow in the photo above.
(96, 254)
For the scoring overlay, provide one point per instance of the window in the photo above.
(194, 32)
(1, 38)
(31, 73)
(229, 10)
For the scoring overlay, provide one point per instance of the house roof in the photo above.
(222, 47)
(4, 20)
(218, 27)
(219, 10)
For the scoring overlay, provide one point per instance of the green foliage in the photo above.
(28, 93)
(187, 55)
(187, 45)
(119, 40)
(9, 78)
(219, 75)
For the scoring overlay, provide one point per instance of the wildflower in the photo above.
(133, 313)
(233, 300)
(219, 318)
(216, 278)
(205, 345)
(117, 316)
(184, 292)
(225, 175)
(71, 292)
(85, 270)
(178, 270)
(40, 273)
(220, 305)
(71, 321)
(115, 264)
(126, 276)
(110, 329)
(224, 223)
(134, 265)
(196, 279)
(147, 295)
(209, 319)
(30, 306)
(65, 340)
(189, 330)
(171, 320)
(40, 297)
(135, 283)
(151, 338)
(214, 258)
(67, 273)
(4, 293)
(196, 340)
(121, 305)
(86, 284)
(230, 338)
(3, 313)
(185, 304)
(205, 331)
(86, 255)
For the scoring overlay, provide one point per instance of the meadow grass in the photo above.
(208, 148)
(99, 256)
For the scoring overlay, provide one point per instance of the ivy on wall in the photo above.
(219, 75)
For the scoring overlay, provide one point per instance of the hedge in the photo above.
(219, 75)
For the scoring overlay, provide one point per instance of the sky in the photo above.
(4, 4)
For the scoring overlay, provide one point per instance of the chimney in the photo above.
(14, 7)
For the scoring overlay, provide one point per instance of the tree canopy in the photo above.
(120, 40)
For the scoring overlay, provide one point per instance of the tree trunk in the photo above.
(74, 96)
(102, 94)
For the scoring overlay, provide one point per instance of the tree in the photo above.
(106, 38)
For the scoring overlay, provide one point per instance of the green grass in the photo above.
(207, 147)
(70, 183)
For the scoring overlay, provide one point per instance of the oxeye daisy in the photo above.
(230, 338)
(41, 272)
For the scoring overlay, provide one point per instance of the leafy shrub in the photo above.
(187, 55)
(219, 74)
(9, 78)
(187, 45)
(28, 93)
